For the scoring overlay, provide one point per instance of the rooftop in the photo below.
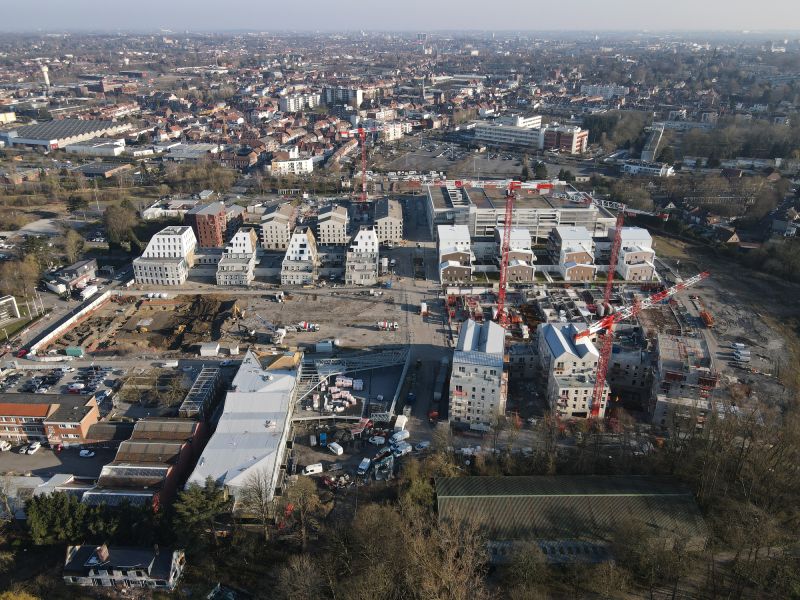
(63, 128)
(214, 208)
(560, 340)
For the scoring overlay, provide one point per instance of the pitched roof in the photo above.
(567, 507)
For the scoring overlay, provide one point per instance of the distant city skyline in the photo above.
(409, 15)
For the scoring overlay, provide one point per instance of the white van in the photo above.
(313, 469)
(336, 448)
(399, 436)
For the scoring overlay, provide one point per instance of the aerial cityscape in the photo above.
(413, 309)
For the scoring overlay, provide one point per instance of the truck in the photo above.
(387, 325)
(336, 448)
(313, 469)
(306, 326)
(88, 292)
(399, 436)
(170, 364)
(384, 265)
(323, 439)
(400, 422)
(423, 309)
(56, 287)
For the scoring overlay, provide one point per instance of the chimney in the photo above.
(102, 553)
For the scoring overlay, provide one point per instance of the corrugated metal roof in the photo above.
(581, 507)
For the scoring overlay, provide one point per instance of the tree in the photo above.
(540, 171)
(305, 506)
(119, 222)
(566, 175)
(667, 155)
(18, 593)
(300, 579)
(256, 499)
(56, 518)
(72, 244)
(196, 511)
(76, 202)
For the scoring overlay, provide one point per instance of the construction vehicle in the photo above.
(388, 326)
(179, 329)
(306, 326)
(607, 323)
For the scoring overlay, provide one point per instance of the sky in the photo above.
(399, 15)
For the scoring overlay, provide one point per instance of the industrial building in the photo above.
(478, 383)
(167, 258)
(252, 433)
(301, 263)
(570, 518)
(539, 208)
(52, 135)
(361, 262)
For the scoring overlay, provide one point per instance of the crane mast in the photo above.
(502, 315)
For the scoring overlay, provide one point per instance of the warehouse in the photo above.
(53, 135)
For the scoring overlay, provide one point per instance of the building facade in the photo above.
(124, 567)
(276, 228)
(301, 263)
(332, 225)
(167, 258)
(298, 102)
(455, 254)
(388, 221)
(572, 249)
(478, 383)
(238, 262)
(209, 223)
(361, 263)
(520, 254)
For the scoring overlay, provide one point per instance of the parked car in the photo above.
(313, 469)
(23, 450)
(422, 446)
(86, 454)
(401, 449)
(5, 446)
(34, 447)
(378, 440)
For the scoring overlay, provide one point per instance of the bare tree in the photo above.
(256, 499)
(306, 506)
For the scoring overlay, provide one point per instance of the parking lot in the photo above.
(46, 462)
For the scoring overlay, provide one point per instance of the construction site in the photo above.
(177, 326)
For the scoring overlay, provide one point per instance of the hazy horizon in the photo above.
(733, 16)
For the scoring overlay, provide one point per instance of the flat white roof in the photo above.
(573, 234)
(251, 433)
(453, 234)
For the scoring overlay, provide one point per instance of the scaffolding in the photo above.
(200, 394)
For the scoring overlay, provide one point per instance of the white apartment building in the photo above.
(455, 254)
(343, 95)
(606, 91)
(238, 262)
(520, 254)
(276, 227)
(332, 226)
(291, 166)
(498, 134)
(572, 249)
(167, 258)
(361, 264)
(636, 259)
(478, 384)
(298, 102)
(389, 221)
(301, 263)
(392, 131)
(648, 169)
(571, 367)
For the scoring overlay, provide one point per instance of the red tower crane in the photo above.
(608, 338)
(502, 316)
(362, 132)
(610, 320)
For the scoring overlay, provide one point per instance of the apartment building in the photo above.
(238, 262)
(455, 254)
(276, 227)
(520, 254)
(608, 91)
(167, 258)
(361, 263)
(58, 419)
(516, 120)
(209, 223)
(301, 263)
(565, 138)
(570, 366)
(647, 169)
(282, 164)
(636, 258)
(298, 102)
(572, 249)
(478, 383)
(343, 95)
(332, 223)
(389, 221)
(547, 204)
